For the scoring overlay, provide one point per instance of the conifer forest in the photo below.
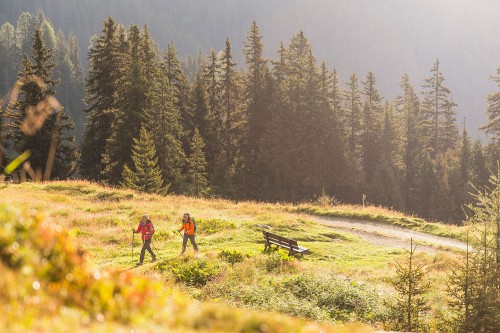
(286, 129)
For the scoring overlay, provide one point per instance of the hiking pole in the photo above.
(154, 247)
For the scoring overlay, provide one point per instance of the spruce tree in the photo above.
(492, 128)
(411, 153)
(353, 116)
(475, 285)
(212, 72)
(164, 123)
(411, 302)
(132, 101)
(143, 174)
(7, 57)
(37, 121)
(231, 121)
(102, 90)
(180, 88)
(371, 125)
(439, 114)
(479, 176)
(200, 107)
(197, 177)
(257, 99)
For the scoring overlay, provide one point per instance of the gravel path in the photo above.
(391, 235)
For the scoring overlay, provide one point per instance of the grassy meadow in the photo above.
(345, 279)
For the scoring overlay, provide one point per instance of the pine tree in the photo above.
(231, 121)
(197, 177)
(411, 302)
(212, 72)
(24, 30)
(257, 99)
(102, 90)
(439, 114)
(426, 185)
(7, 56)
(164, 123)
(144, 174)
(33, 124)
(200, 107)
(180, 88)
(461, 284)
(353, 116)
(493, 110)
(412, 145)
(478, 297)
(479, 176)
(256, 94)
(132, 102)
(371, 126)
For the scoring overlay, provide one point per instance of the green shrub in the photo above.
(212, 226)
(231, 257)
(342, 299)
(113, 196)
(279, 261)
(190, 271)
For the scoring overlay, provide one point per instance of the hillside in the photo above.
(345, 278)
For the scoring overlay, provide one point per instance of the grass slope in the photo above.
(345, 279)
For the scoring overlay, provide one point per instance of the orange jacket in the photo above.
(147, 230)
(188, 227)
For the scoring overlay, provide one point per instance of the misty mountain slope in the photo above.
(387, 37)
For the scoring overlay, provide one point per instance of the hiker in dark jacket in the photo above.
(189, 232)
(147, 230)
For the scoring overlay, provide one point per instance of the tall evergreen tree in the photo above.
(102, 90)
(479, 176)
(439, 115)
(37, 123)
(197, 177)
(257, 99)
(132, 102)
(493, 110)
(7, 57)
(180, 87)
(232, 120)
(144, 174)
(200, 107)
(353, 116)
(371, 125)
(164, 123)
(212, 73)
(412, 145)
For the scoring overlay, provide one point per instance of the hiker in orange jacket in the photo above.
(147, 230)
(189, 232)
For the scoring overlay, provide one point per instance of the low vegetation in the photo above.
(344, 280)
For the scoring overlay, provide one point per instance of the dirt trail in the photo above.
(391, 235)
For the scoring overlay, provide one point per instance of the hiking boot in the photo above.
(139, 263)
(154, 259)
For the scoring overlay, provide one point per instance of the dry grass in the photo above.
(102, 217)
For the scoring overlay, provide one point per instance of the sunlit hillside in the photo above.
(102, 289)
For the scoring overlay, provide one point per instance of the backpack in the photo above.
(194, 223)
(152, 227)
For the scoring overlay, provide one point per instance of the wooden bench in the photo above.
(286, 243)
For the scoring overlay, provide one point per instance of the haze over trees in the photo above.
(281, 129)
